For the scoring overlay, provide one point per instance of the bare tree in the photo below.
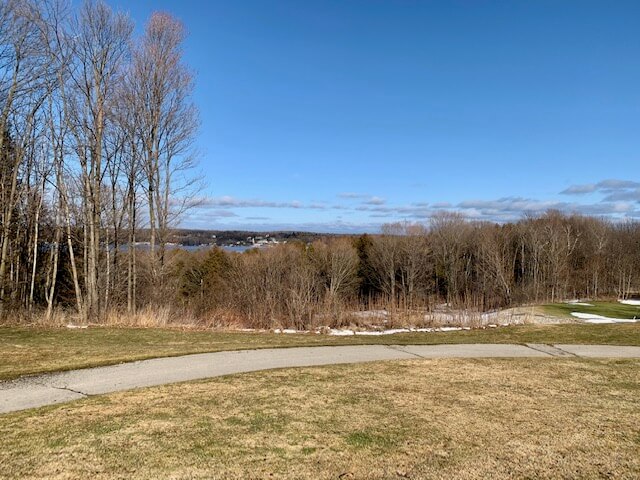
(167, 124)
(385, 253)
(24, 86)
(415, 254)
(100, 49)
(337, 263)
(497, 258)
(448, 235)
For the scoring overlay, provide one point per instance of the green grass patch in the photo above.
(366, 439)
(266, 422)
(605, 309)
(30, 350)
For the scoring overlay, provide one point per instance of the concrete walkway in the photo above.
(49, 389)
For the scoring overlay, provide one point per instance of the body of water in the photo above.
(193, 248)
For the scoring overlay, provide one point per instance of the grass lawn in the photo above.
(466, 419)
(26, 350)
(605, 309)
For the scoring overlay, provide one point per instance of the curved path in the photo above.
(49, 389)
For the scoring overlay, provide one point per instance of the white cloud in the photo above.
(375, 201)
(610, 186)
(232, 202)
(580, 189)
(365, 198)
(619, 199)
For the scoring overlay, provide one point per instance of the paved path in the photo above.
(36, 391)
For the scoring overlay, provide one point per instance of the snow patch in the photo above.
(384, 332)
(593, 318)
(581, 304)
(370, 314)
(285, 330)
(341, 333)
(610, 320)
(393, 331)
(635, 303)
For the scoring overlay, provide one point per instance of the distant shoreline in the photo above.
(193, 248)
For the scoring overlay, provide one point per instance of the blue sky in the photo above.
(343, 115)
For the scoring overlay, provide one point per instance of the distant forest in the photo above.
(191, 237)
(412, 268)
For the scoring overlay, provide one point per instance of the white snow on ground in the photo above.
(392, 331)
(582, 304)
(593, 318)
(383, 332)
(338, 332)
(370, 314)
(631, 302)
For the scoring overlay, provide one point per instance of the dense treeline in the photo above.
(412, 268)
(96, 131)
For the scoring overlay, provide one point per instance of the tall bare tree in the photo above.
(167, 124)
(100, 49)
(24, 87)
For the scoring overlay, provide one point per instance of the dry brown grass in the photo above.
(465, 419)
(25, 351)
